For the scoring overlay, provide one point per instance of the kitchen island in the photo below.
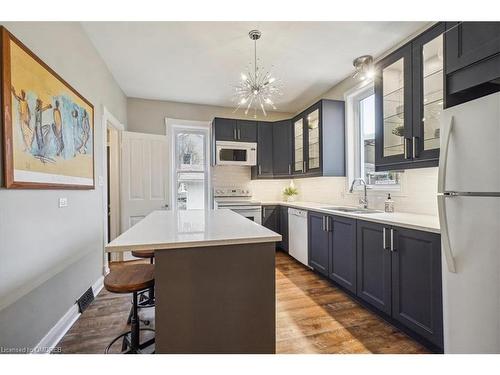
(214, 280)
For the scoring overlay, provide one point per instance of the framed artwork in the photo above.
(48, 127)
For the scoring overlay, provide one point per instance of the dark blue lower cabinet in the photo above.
(283, 244)
(318, 242)
(373, 266)
(343, 252)
(416, 282)
(270, 217)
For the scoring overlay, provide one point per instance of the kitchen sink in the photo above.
(353, 210)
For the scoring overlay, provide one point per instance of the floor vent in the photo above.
(85, 300)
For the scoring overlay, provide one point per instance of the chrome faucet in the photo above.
(362, 200)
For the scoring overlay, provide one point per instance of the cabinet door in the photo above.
(283, 245)
(264, 149)
(282, 148)
(298, 146)
(416, 283)
(246, 131)
(318, 242)
(270, 217)
(374, 266)
(313, 139)
(470, 42)
(225, 129)
(343, 252)
(428, 93)
(393, 105)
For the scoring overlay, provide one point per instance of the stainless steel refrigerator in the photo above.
(469, 213)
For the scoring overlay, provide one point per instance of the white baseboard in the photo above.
(57, 332)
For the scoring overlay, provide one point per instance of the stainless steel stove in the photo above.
(240, 201)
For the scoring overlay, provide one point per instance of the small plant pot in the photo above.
(290, 198)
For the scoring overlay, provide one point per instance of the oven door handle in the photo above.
(245, 208)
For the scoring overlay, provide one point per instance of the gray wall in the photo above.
(50, 256)
(148, 116)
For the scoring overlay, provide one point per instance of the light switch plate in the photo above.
(100, 181)
(63, 202)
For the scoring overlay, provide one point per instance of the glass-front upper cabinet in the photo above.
(313, 145)
(298, 146)
(409, 103)
(393, 108)
(428, 64)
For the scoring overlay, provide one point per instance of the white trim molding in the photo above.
(107, 118)
(49, 342)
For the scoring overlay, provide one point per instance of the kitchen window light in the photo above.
(360, 140)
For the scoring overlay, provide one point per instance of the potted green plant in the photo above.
(290, 193)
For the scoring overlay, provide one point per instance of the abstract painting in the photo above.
(48, 127)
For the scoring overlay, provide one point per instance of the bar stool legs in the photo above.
(131, 339)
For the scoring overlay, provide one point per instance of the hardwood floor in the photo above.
(313, 316)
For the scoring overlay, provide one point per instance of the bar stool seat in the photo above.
(148, 254)
(131, 279)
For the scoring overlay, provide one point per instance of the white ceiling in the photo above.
(199, 62)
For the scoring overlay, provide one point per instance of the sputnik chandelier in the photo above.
(256, 89)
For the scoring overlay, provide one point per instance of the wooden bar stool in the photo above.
(145, 300)
(131, 279)
(146, 254)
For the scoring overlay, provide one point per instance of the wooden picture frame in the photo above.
(47, 126)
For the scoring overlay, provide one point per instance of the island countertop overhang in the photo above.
(163, 230)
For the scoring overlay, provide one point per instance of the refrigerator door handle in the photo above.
(445, 238)
(443, 158)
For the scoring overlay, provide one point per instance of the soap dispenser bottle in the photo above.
(389, 204)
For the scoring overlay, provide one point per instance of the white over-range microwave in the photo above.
(236, 153)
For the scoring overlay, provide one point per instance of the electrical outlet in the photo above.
(100, 181)
(63, 202)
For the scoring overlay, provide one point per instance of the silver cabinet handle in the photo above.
(329, 223)
(405, 145)
(239, 133)
(324, 225)
(304, 166)
(289, 169)
(392, 240)
(260, 169)
(414, 147)
(383, 239)
(235, 137)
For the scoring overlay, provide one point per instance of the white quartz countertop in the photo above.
(191, 228)
(428, 223)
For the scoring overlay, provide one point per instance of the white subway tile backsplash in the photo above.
(418, 194)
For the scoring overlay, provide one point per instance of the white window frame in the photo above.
(173, 126)
(353, 141)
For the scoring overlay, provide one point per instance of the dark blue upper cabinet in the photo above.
(246, 130)
(409, 98)
(318, 136)
(472, 60)
(264, 167)
(282, 148)
(226, 129)
(393, 109)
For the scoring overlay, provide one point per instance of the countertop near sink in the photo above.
(428, 223)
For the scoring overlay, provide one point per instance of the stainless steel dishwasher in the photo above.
(297, 234)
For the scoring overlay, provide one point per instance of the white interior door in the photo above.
(144, 176)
